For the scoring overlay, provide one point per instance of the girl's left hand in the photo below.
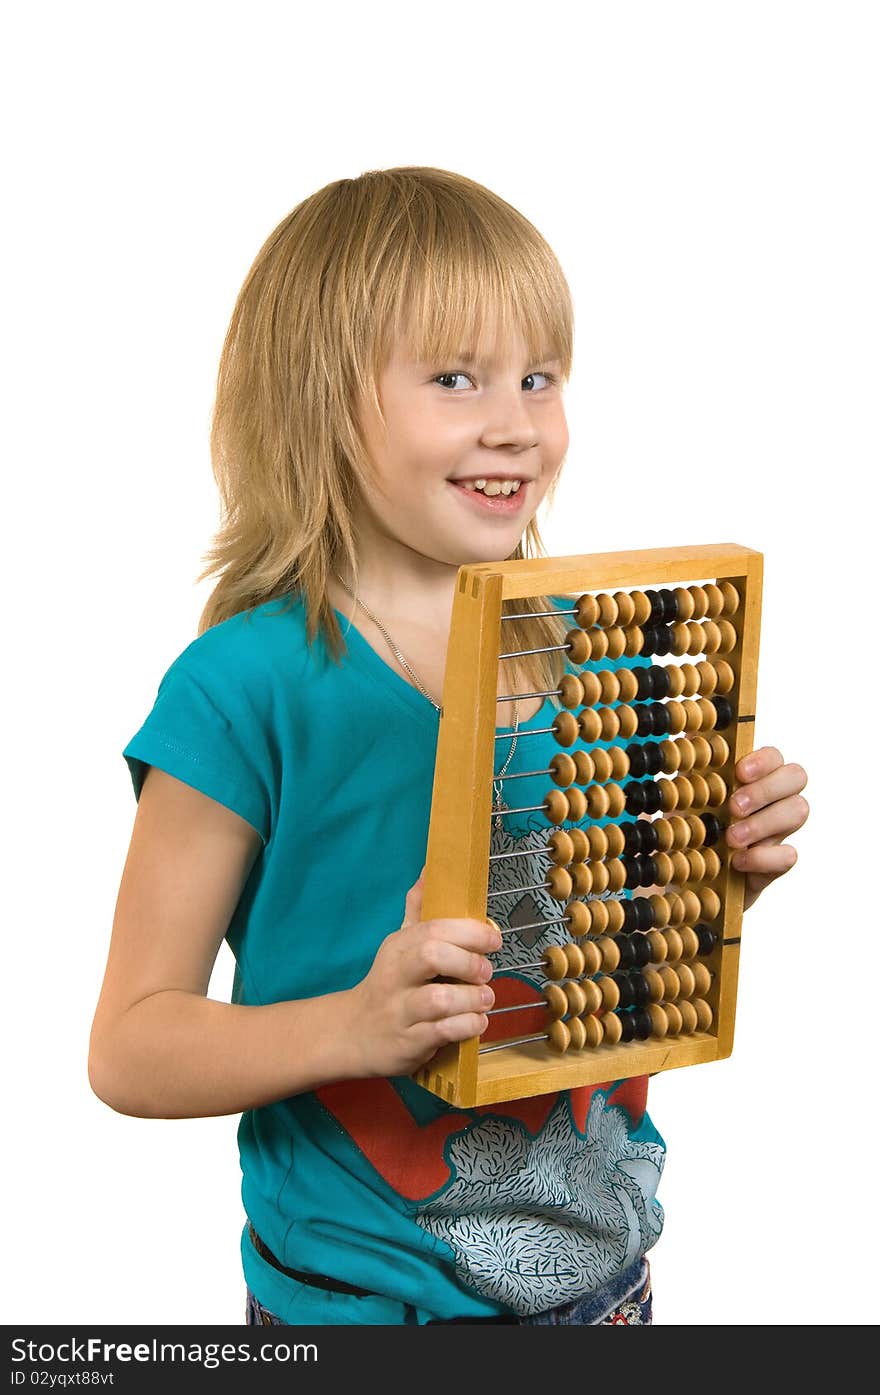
(765, 810)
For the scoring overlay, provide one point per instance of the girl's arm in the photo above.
(159, 1048)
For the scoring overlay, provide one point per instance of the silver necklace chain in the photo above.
(499, 806)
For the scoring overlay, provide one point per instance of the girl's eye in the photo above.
(550, 377)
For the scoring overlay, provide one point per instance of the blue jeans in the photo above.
(631, 1296)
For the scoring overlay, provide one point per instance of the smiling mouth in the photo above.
(497, 496)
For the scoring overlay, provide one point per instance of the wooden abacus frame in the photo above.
(457, 867)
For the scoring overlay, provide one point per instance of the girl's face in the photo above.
(497, 419)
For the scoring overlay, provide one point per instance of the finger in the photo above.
(429, 959)
(776, 821)
(769, 859)
(412, 912)
(436, 1002)
(477, 935)
(783, 781)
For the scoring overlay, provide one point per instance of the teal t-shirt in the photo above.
(507, 1208)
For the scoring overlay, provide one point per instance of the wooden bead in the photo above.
(577, 804)
(659, 1020)
(626, 608)
(635, 640)
(700, 601)
(563, 769)
(688, 1016)
(702, 979)
(580, 847)
(675, 675)
(598, 911)
(727, 637)
(720, 749)
(559, 1036)
(716, 791)
(700, 789)
(610, 723)
(571, 690)
(661, 909)
(657, 941)
(584, 768)
(596, 802)
(670, 753)
(673, 1019)
(708, 714)
(676, 909)
(731, 597)
(692, 905)
(589, 952)
(609, 685)
(663, 864)
(708, 678)
(680, 638)
(714, 601)
(628, 722)
(579, 645)
(593, 1032)
(592, 689)
(676, 714)
(670, 980)
(599, 877)
(601, 763)
(710, 903)
(690, 681)
(586, 611)
(663, 833)
(578, 918)
(685, 791)
(609, 992)
(565, 728)
(619, 758)
(589, 725)
(629, 685)
(615, 916)
(686, 979)
(711, 637)
(577, 1033)
(690, 944)
(724, 676)
(668, 794)
(684, 602)
(693, 716)
(704, 1014)
(560, 847)
(597, 841)
(695, 643)
(559, 883)
(615, 840)
(591, 994)
(598, 644)
(611, 1028)
(616, 801)
(678, 832)
(616, 876)
(702, 752)
(556, 805)
(696, 831)
(557, 1002)
(582, 877)
(685, 754)
(576, 996)
(616, 638)
(607, 610)
(610, 953)
(555, 962)
(673, 945)
(641, 607)
(654, 983)
(713, 864)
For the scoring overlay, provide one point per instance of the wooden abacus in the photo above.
(647, 983)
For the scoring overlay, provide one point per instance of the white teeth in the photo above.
(493, 487)
(469, 484)
(479, 484)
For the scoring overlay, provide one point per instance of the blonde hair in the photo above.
(332, 289)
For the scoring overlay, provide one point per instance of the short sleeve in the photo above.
(208, 741)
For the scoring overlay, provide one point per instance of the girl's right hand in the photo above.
(402, 1016)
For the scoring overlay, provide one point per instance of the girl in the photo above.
(389, 407)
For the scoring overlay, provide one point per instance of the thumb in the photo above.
(413, 909)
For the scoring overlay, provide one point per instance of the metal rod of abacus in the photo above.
(535, 925)
(539, 614)
(517, 1041)
(515, 697)
(526, 809)
(519, 775)
(536, 886)
(515, 1007)
(547, 649)
(523, 852)
(535, 731)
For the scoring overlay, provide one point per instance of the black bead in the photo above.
(648, 638)
(649, 872)
(642, 1023)
(707, 939)
(656, 606)
(626, 950)
(660, 719)
(724, 711)
(638, 759)
(644, 718)
(632, 836)
(714, 829)
(627, 1026)
(642, 951)
(641, 992)
(633, 871)
(629, 913)
(648, 836)
(626, 987)
(645, 915)
(670, 606)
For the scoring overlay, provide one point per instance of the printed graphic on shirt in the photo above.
(539, 1200)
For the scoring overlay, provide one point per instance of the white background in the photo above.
(707, 174)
